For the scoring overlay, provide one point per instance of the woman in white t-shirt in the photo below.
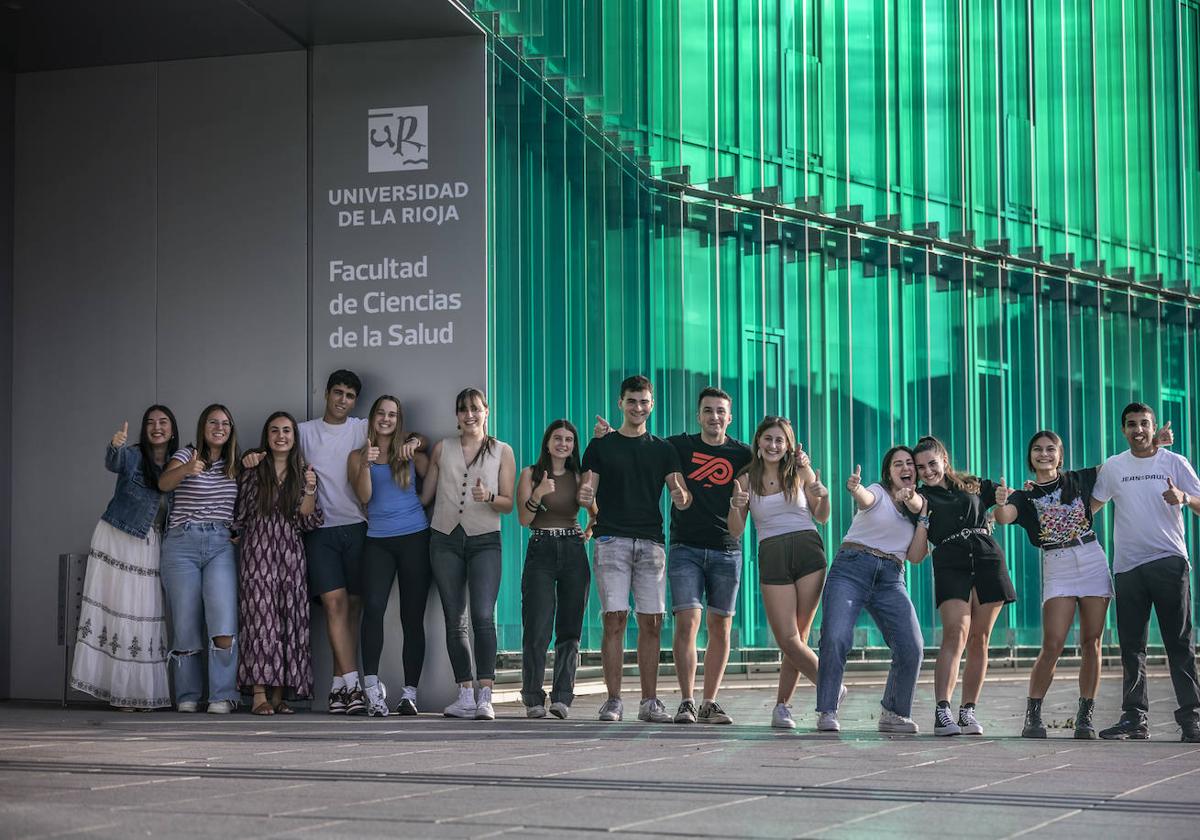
(783, 494)
(868, 573)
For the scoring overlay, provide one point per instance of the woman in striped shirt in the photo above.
(199, 567)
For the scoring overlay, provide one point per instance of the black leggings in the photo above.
(385, 559)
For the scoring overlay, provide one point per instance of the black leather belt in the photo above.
(1084, 540)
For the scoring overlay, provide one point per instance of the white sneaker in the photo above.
(464, 706)
(967, 723)
(889, 721)
(536, 712)
(377, 700)
(612, 709)
(828, 722)
(483, 708)
(842, 692)
(653, 711)
(187, 706)
(782, 718)
(943, 724)
(221, 707)
(560, 710)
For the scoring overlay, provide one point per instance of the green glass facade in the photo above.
(970, 218)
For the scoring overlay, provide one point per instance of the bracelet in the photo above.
(307, 493)
(923, 521)
(531, 507)
(491, 498)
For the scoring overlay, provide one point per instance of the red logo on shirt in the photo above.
(712, 469)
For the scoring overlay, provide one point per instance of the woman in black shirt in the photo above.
(970, 577)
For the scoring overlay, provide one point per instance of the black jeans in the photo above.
(468, 568)
(554, 591)
(1165, 585)
(385, 559)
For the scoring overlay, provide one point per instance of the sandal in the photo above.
(282, 708)
(261, 707)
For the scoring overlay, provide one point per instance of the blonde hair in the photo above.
(789, 470)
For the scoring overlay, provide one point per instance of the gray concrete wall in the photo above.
(161, 256)
(7, 81)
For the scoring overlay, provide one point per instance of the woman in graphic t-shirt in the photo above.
(786, 499)
(554, 583)
(199, 566)
(1056, 512)
(868, 573)
(970, 578)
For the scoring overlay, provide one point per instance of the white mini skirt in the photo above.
(1080, 571)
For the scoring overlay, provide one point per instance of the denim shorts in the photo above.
(698, 572)
(335, 558)
(623, 566)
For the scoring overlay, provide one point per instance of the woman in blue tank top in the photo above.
(385, 474)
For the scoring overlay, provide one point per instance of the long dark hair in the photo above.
(1069, 491)
(395, 460)
(150, 470)
(789, 470)
(959, 481)
(230, 453)
(270, 491)
(886, 479)
(460, 404)
(545, 463)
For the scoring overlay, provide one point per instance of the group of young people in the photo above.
(339, 508)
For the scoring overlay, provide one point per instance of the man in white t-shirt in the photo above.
(1150, 487)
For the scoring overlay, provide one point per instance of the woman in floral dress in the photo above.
(276, 504)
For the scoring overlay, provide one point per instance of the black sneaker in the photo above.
(406, 707)
(1034, 727)
(356, 701)
(1085, 729)
(337, 701)
(1129, 728)
(1191, 731)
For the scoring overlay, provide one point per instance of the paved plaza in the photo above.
(90, 772)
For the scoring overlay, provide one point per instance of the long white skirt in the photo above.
(121, 647)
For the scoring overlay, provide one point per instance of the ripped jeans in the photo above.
(199, 575)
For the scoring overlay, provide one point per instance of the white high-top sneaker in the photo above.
(483, 708)
(377, 700)
(464, 706)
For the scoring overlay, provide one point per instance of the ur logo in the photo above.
(711, 470)
(398, 139)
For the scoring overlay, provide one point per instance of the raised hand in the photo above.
(679, 495)
(1003, 491)
(1173, 495)
(601, 428)
(855, 479)
(310, 480)
(197, 464)
(587, 489)
(252, 459)
(479, 493)
(816, 487)
(122, 435)
(741, 493)
(802, 459)
(544, 487)
(1165, 436)
(370, 453)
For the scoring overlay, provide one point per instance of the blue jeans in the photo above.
(859, 580)
(704, 573)
(199, 575)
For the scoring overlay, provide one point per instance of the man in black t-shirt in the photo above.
(705, 562)
(624, 474)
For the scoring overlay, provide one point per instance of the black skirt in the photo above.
(962, 565)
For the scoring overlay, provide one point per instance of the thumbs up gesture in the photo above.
(802, 459)
(679, 493)
(1003, 491)
(601, 428)
(310, 480)
(855, 479)
(252, 459)
(370, 453)
(741, 493)
(816, 487)
(587, 490)
(1165, 436)
(544, 487)
(196, 465)
(122, 435)
(479, 493)
(1173, 495)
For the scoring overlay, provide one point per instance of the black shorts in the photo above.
(335, 558)
(955, 574)
(784, 559)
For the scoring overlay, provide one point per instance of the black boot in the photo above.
(1034, 728)
(1085, 730)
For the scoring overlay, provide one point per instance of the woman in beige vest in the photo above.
(470, 482)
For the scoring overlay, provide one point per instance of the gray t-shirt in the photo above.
(327, 448)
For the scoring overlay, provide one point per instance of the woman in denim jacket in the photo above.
(121, 650)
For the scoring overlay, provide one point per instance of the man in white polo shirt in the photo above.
(1150, 487)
